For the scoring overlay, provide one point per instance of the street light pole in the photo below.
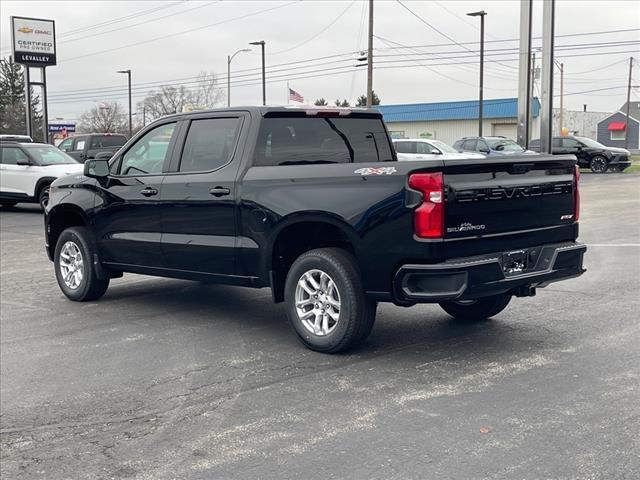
(480, 14)
(264, 83)
(128, 72)
(229, 58)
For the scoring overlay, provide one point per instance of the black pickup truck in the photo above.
(313, 204)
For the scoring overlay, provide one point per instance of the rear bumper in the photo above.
(481, 276)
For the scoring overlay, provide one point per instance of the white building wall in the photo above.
(449, 131)
(584, 124)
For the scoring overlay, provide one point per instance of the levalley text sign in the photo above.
(34, 41)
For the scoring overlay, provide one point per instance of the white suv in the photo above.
(421, 149)
(27, 170)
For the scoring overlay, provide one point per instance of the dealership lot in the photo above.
(170, 379)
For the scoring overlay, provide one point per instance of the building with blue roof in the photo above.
(449, 121)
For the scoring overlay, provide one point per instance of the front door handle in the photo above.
(219, 191)
(149, 192)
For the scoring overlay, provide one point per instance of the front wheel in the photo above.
(479, 309)
(74, 268)
(326, 303)
(43, 197)
(599, 164)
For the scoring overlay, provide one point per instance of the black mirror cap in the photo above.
(24, 163)
(96, 168)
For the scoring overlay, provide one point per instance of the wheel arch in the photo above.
(40, 184)
(61, 217)
(299, 233)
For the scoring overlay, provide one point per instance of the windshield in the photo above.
(48, 155)
(589, 143)
(443, 147)
(504, 145)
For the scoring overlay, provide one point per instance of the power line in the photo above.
(313, 37)
(182, 32)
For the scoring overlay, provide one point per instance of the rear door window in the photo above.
(469, 145)
(405, 147)
(209, 144)
(326, 140)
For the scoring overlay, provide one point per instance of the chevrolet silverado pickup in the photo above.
(313, 203)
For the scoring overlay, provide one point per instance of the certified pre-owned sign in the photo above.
(34, 41)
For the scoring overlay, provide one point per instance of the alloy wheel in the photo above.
(71, 265)
(317, 302)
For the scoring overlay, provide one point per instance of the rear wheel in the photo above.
(74, 268)
(599, 164)
(478, 309)
(325, 301)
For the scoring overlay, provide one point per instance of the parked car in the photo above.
(84, 147)
(421, 149)
(491, 146)
(312, 203)
(590, 154)
(15, 138)
(27, 170)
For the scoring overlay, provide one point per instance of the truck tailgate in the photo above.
(501, 196)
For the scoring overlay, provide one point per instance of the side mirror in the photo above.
(486, 150)
(24, 163)
(435, 151)
(96, 168)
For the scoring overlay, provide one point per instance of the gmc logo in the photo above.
(519, 191)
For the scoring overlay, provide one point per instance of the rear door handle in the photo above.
(149, 192)
(219, 191)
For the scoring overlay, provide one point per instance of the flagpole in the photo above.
(288, 92)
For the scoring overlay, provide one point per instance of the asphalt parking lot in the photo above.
(172, 379)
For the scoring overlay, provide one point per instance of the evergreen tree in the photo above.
(362, 100)
(321, 102)
(343, 103)
(12, 102)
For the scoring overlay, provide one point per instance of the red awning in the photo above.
(616, 126)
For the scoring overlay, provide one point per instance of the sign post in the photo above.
(33, 42)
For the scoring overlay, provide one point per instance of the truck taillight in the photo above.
(428, 221)
(576, 193)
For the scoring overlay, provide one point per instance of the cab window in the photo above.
(148, 154)
(209, 144)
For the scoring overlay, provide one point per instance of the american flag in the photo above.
(295, 96)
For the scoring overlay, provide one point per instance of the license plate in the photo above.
(514, 262)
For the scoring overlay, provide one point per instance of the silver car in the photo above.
(421, 149)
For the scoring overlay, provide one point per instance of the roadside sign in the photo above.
(60, 127)
(33, 41)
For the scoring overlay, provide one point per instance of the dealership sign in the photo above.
(34, 41)
(62, 127)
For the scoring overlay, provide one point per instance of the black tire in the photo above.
(90, 287)
(43, 196)
(8, 204)
(475, 310)
(356, 314)
(599, 164)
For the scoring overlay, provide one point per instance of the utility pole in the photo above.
(480, 14)
(626, 127)
(561, 97)
(524, 75)
(370, 58)
(548, 39)
(533, 91)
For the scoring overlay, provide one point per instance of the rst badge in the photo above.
(376, 171)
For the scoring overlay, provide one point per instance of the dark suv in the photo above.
(85, 147)
(490, 146)
(590, 154)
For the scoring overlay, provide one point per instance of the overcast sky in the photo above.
(174, 40)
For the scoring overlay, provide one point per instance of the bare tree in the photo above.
(104, 118)
(207, 93)
(169, 99)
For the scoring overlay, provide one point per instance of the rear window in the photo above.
(312, 140)
(107, 141)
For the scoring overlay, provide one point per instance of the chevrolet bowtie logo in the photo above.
(25, 30)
